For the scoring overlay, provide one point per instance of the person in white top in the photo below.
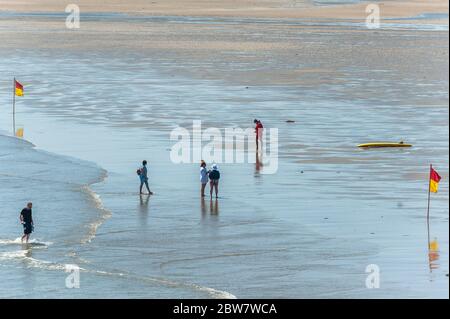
(203, 177)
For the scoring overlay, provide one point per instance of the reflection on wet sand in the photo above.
(203, 207)
(213, 207)
(29, 282)
(144, 207)
(258, 163)
(28, 250)
(433, 250)
(433, 255)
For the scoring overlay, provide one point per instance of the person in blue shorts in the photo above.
(143, 176)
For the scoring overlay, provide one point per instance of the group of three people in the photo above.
(212, 176)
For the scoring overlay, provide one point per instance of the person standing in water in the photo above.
(203, 177)
(26, 219)
(214, 176)
(143, 176)
(259, 131)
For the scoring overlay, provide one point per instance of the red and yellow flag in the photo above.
(19, 88)
(434, 180)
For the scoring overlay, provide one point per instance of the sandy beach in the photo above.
(100, 99)
(233, 8)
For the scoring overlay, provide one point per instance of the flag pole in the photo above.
(428, 209)
(14, 107)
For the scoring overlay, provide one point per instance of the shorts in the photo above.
(143, 179)
(27, 228)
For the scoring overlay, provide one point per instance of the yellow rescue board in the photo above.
(384, 144)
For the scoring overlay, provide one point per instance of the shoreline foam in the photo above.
(24, 254)
(50, 173)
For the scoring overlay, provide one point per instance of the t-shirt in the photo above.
(214, 175)
(26, 216)
(203, 175)
(144, 173)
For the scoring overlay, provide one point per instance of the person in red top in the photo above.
(259, 131)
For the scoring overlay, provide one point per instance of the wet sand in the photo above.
(233, 8)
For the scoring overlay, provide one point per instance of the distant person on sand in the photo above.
(203, 177)
(26, 219)
(214, 176)
(259, 131)
(143, 176)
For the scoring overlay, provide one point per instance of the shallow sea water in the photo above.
(310, 230)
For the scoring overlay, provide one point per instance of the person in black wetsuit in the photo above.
(26, 219)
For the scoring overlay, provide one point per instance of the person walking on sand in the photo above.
(259, 131)
(26, 219)
(143, 176)
(214, 176)
(203, 177)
